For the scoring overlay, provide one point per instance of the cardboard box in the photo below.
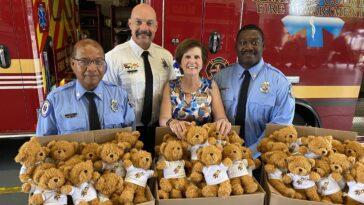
(98, 136)
(274, 197)
(255, 198)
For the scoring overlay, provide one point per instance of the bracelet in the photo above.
(169, 121)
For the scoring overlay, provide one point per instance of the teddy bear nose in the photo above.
(178, 148)
(300, 170)
(324, 152)
(147, 159)
(234, 151)
(211, 154)
(197, 136)
(85, 171)
(59, 151)
(336, 167)
(90, 155)
(111, 155)
(290, 136)
(40, 154)
(216, 133)
(55, 180)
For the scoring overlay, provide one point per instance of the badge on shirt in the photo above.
(45, 108)
(165, 64)
(131, 67)
(114, 105)
(264, 87)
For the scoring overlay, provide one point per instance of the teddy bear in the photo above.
(215, 133)
(137, 173)
(315, 147)
(234, 138)
(356, 184)
(267, 145)
(301, 176)
(31, 153)
(174, 182)
(111, 159)
(109, 187)
(61, 151)
(354, 149)
(129, 140)
(214, 171)
(287, 135)
(340, 165)
(50, 182)
(276, 166)
(82, 177)
(327, 186)
(240, 179)
(337, 146)
(253, 163)
(89, 151)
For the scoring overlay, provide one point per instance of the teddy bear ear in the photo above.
(51, 144)
(120, 183)
(352, 160)
(162, 147)
(34, 139)
(312, 162)
(133, 151)
(99, 149)
(219, 146)
(346, 141)
(290, 158)
(136, 134)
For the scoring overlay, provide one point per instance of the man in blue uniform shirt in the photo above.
(87, 103)
(265, 97)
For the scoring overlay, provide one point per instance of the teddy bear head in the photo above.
(80, 172)
(141, 159)
(233, 151)
(286, 135)
(110, 152)
(39, 169)
(320, 145)
(196, 134)
(357, 172)
(354, 149)
(247, 153)
(31, 152)
(235, 138)
(337, 146)
(300, 165)
(89, 151)
(62, 150)
(210, 155)
(322, 167)
(172, 150)
(214, 132)
(109, 183)
(129, 137)
(51, 179)
(340, 162)
(278, 158)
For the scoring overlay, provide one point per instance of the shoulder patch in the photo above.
(45, 108)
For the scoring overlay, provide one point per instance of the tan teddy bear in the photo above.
(174, 182)
(340, 166)
(129, 140)
(215, 171)
(215, 133)
(337, 146)
(31, 153)
(82, 177)
(287, 135)
(89, 151)
(317, 146)
(234, 138)
(137, 173)
(301, 176)
(247, 154)
(240, 179)
(276, 166)
(267, 145)
(356, 185)
(111, 159)
(327, 186)
(50, 182)
(109, 187)
(354, 149)
(61, 151)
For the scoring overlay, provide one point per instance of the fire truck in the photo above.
(318, 44)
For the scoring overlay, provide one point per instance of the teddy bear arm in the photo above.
(227, 162)
(95, 176)
(127, 163)
(287, 179)
(251, 163)
(139, 145)
(161, 164)
(26, 187)
(314, 176)
(303, 149)
(124, 145)
(36, 199)
(211, 140)
(98, 165)
(270, 168)
(188, 164)
(66, 189)
(257, 163)
(336, 176)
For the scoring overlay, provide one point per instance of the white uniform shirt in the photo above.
(116, 167)
(84, 192)
(277, 174)
(301, 182)
(125, 67)
(138, 176)
(51, 197)
(215, 174)
(238, 169)
(356, 191)
(174, 169)
(327, 186)
(193, 149)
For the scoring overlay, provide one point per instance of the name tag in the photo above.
(70, 115)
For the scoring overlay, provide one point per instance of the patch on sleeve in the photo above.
(291, 91)
(45, 108)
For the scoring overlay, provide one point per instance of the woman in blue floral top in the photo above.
(190, 97)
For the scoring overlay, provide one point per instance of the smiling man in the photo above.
(141, 68)
(264, 93)
(87, 103)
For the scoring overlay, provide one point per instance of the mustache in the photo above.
(139, 32)
(248, 52)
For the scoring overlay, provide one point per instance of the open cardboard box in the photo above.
(256, 198)
(98, 136)
(274, 197)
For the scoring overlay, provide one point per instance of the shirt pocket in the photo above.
(267, 100)
(113, 119)
(71, 124)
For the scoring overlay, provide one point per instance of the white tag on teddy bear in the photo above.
(215, 174)
(85, 192)
(356, 191)
(116, 167)
(53, 197)
(301, 182)
(174, 169)
(238, 169)
(277, 174)
(193, 149)
(138, 176)
(327, 186)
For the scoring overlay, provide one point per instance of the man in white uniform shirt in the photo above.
(141, 68)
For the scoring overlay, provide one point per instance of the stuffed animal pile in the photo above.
(204, 164)
(115, 172)
(316, 168)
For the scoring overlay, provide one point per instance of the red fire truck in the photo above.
(319, 44)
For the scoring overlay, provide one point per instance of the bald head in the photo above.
(143, 25)
(86, 43)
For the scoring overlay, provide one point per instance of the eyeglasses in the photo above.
(84, 62)
(254, 43)
(139, 22)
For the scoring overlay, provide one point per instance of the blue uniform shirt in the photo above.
(269, 98)
(66, 109)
